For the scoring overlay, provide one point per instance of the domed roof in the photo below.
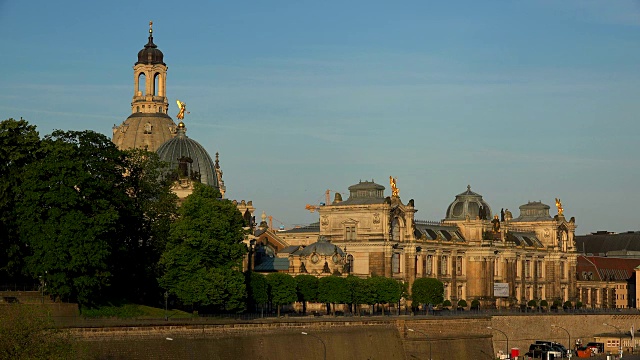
(534, 211)
(189, 157)
(363, 193)
(321, 247)
(144, 131)
(150, 54)
(467, 203)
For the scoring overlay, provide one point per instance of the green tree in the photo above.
(307, 288)
(26, 332)
(70, 212)
(19, 146)
(259, 289)
(462, 303)
(282, 289)
(387, 291)
(153, 208)
(427, 291)
(204, 252)
(333, 290)
(446, 303)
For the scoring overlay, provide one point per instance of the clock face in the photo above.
(335, 258)
(315, 258)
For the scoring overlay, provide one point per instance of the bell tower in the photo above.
(150, 80)
(149, 124)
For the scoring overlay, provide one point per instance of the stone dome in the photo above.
(144, 131)
(321, 247)
(189, 158)
(466, 204)
(150, 54)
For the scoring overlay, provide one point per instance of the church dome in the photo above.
(321, 247)
(189, 158)
(534, 211)
(150, 54)
(466, 204)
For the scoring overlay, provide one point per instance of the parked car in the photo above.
(596, 347)
(584, 352)
(556, 346)
(541, 351)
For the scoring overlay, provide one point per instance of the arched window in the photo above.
(395, 230)
(350, 264)
(142, 82)
(156, 83)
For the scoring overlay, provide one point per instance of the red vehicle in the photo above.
(584, 352)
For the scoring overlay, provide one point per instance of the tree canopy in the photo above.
(427, 291)
(282, 289)
(203, 258)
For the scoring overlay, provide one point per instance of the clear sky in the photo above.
(522, 100)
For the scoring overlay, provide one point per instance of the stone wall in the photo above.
(346, 338)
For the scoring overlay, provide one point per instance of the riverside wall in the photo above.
(346, 338)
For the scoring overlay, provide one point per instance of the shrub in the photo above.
(446, 303)
(567, 305)
(462, 304)
(475, 304)
(579, 305)
(544, 303)
(532, 303)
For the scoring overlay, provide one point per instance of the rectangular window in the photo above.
(496, 264)
(539, 269)
(459, 265)
(443, 265)
(395, 263)
(562, 272)
(429, 267)
(350, 233)
(527, 268)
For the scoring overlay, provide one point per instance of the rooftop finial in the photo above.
(468, 187)
(150, 27)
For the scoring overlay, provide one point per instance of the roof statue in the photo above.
(559, 206)
(395, 192)
(183, 108)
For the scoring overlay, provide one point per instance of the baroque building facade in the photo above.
(500, 260)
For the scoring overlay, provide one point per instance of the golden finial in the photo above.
(183, 109)
(150, 27)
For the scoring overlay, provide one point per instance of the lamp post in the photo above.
(619, 338)
(166, 298)
(506, 337)
(324, 346)
(567, 331)
(428, 339)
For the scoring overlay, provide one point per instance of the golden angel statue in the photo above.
(395, 192)
(183, 109)
(559, 206)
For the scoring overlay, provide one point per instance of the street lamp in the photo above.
(324, 346)
(619, 338)
(567, 331)
(428, 339)
(166, 298)
(505, 335)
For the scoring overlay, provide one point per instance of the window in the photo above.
(349, 264)
(496, 264)
(539, 269)
(443, 265)
(459, 265)
(350, 233)
(429, 265)
(527, 268)
(562, 274)
(395, 263)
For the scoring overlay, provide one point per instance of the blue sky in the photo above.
(524, 101)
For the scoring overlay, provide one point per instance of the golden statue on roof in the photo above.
(183, 109)
(395, 192)
(559, 206)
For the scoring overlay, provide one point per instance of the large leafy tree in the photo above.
(333, 290)
(387, 291)
(282, 289)
(203, 258)
(69, 214)
(259, 288)
(19, 146)
(153, 208)
(427, 291)
(307, 286)
(361, 291)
